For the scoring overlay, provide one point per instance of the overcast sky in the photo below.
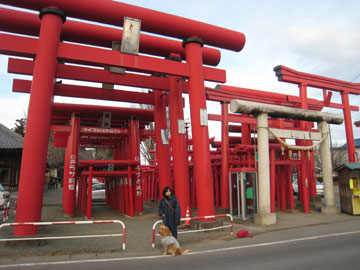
(320, 37)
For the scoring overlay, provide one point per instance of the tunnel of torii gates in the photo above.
(55, 48)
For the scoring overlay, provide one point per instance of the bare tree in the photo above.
(147, 146)
(55, 156)
(338, 157)
(102, 153)
(20, 126)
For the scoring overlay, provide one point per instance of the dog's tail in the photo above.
(187, 251)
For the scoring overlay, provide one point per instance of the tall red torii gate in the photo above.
(152, 21)
(20, 22)
(47, 50)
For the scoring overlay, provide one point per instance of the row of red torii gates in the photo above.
(74, 50)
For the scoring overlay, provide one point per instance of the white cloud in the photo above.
(3, 64)
(13, 108)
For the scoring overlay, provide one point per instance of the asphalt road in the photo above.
(329, 246)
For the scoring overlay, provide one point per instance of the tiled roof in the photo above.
(350, 166)
(10, 139)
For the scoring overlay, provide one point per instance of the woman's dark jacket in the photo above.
(172, 217)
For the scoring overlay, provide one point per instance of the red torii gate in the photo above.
(20, 22)
(72, 136)
(226, 93)
(152, 21)
(120, 193)
(48, 49)
(303, 80)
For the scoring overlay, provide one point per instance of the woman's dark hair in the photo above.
(166, 189)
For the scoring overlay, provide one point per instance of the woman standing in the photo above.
(169, 210)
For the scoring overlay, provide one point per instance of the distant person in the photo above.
(169, 210)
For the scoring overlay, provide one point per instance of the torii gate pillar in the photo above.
(134, 151)
(162, 149)
(325, 155)
(264, 216)
(178, 142)
(33, 164)
(200, 132)
(348, 127)
(71, 163)
(224, 184)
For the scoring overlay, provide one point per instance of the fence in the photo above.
(66, 223)
(202, 230)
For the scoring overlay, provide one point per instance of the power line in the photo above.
(357, 76)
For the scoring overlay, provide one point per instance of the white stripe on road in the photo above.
(277, 242)
(193, 253)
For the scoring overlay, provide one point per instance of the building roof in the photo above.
(350, 165)
(356, 141)
(10, 139)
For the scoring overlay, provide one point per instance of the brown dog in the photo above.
(168, 241)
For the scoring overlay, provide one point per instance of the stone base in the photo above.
(316, 202)
(265, 219)
(76, 214)
(201, 225)
(71, 216)
(330, 210)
